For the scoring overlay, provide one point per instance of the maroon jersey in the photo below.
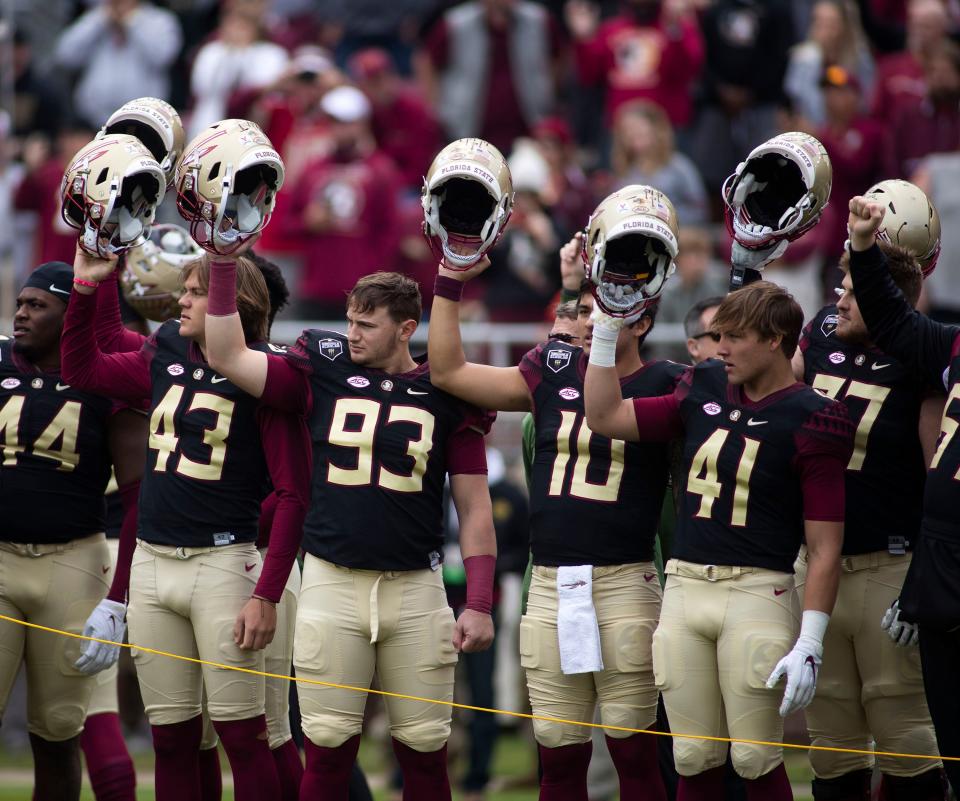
(751, 472)
(382, 447)
(883, 398)
(55, 463)
(592, 500)
(206, 473)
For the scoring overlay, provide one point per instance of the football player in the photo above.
(372, 597)
(582, 485)
(196, 584)
(929, 601)
(762, 469)
(54, 558)
(870, 690)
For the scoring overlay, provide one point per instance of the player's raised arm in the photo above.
(608, 413)
(227, 349)
(501, 388)
(894, 325)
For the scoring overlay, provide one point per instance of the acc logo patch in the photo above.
(175, 369)
(558, 359)
(837, 357)
(330, 348)
(829, 324)
(712, 408)
(358, 381)
(569, 393)
(10, 383)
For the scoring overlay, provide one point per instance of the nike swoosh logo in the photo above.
(414, 392)
(752, 422)
(217, 379)
(648, 576)
(58, 291)
(878, 366)
(779, 592)
(62, 387)
(105, 569)
(248, 568)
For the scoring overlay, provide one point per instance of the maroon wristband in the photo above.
(449, 288)
(480, 571)
(222, 292)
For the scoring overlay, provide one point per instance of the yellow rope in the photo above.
(455, 705)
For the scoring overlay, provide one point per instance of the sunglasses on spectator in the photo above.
(712, 334)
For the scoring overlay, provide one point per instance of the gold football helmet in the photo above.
(150, 278)
(467, 199)
(910, 220)
(155, 123)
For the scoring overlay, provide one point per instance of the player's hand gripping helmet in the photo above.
(779, 192)
(910, 220)
(467, 199)
(110, 192)
(629, 249)
(227, 182)
(155, 123)
(151, 272)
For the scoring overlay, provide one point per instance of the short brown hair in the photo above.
(253, 299)
(904, 270)
(765, 308)
(396, 292)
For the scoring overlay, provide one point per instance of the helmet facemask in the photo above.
(629, 273)
(466, 219)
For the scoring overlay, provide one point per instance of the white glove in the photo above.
(106, 622)
(603, 345)
(802, 664)
(902, 632)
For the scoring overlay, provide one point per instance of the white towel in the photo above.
(577, 628)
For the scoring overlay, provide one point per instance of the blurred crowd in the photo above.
(583, 97)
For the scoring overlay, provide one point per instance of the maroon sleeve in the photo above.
(112, 335)
(288, 384)
(659, 419)
(83, 365)
(805, 336)
(824, 444)
(466, 452)
(120, 586)
(286, 445)
(267, 510)
(531, 368)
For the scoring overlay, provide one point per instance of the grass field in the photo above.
(514, 773)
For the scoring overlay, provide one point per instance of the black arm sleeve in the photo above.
(896, 327)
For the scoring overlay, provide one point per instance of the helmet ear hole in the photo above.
(214, 171)
(465, 206)
(102, 176)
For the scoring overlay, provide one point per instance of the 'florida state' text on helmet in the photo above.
(150, 278)
(629, 249)
(779, 192)
(110, 193)
(155, 123)
(227, 182)
(467, 199)
(910, 220)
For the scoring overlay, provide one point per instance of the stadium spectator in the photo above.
(122, 49)
(933, 124)
(39, 193)
(855, 143)
(489, 68)
(404, 125)
(900, 76)
(746, 52)
(345, 209)
(643, 153)
(652, 50)
(568, 193)
(835, 37)
(239, 57)
(939, 177)
(702, 343)
(37, 105)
